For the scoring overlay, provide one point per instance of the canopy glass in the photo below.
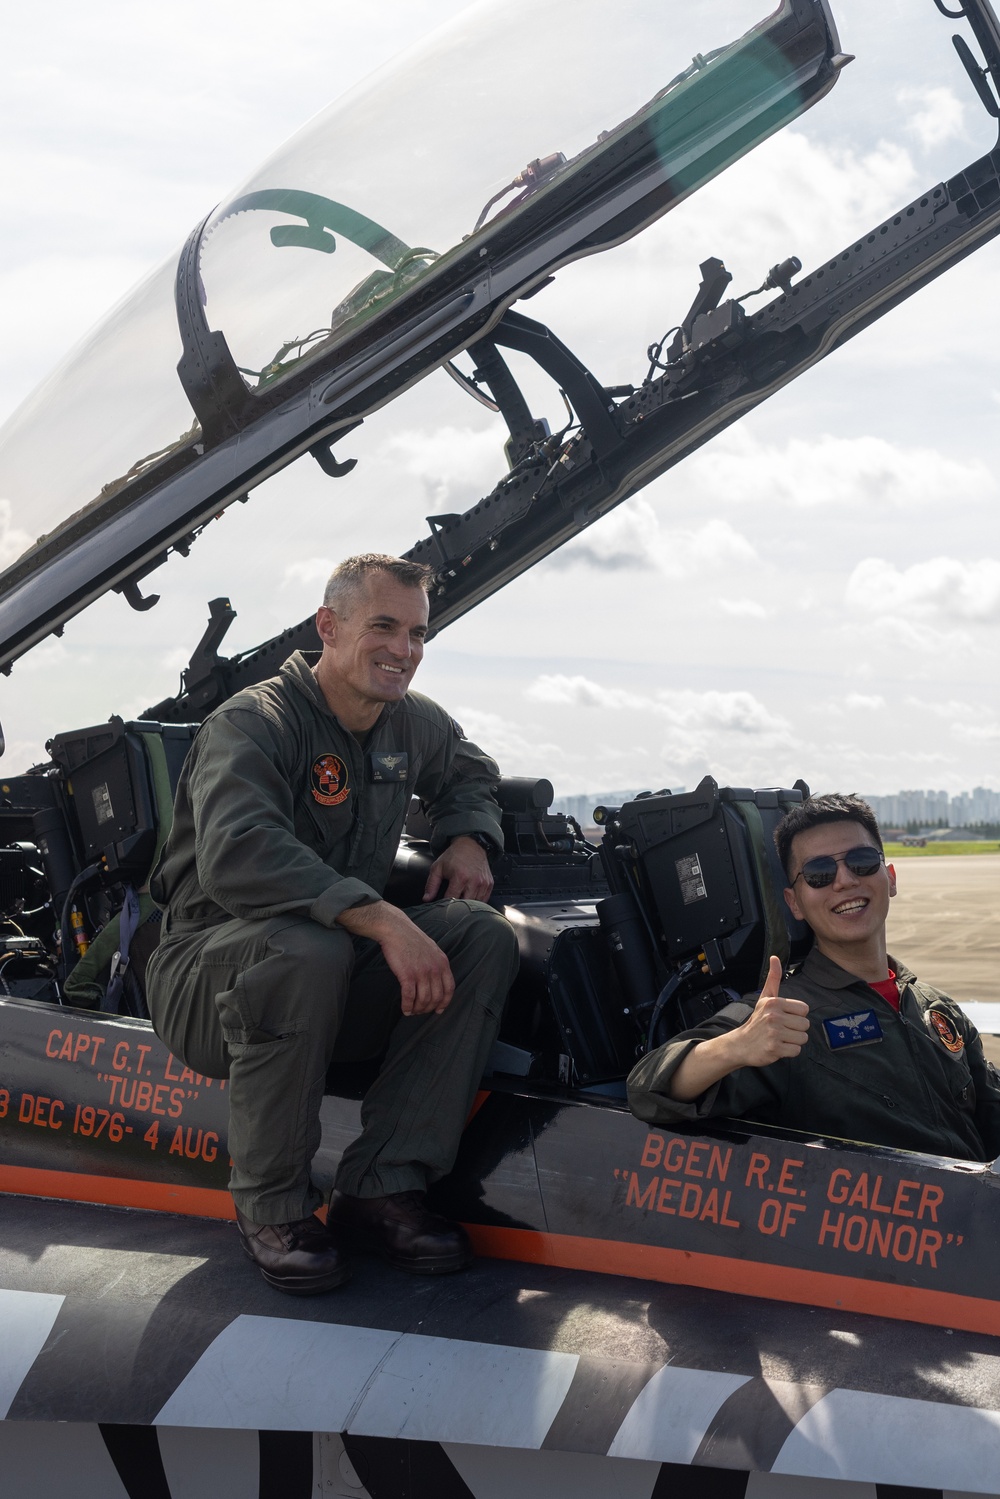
(409, 165)
(389, 182)
(111, 408)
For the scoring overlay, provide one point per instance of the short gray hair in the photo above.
(349, 576)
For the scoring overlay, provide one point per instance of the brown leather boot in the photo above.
(402, 1228)
(300, 1258)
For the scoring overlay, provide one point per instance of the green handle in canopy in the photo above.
(324, 219)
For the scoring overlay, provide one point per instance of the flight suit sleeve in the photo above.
(455, 789)
(248, 856)
(748, 1092)
(986, 1082)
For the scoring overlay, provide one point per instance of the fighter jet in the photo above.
(352, 265)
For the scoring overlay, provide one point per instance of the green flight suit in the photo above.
(926, 1085)
(278, 827)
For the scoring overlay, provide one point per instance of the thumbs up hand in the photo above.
(778, 1026)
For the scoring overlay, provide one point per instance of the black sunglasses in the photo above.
(822, 870)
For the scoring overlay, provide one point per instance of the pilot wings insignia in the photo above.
(393, 765)
(860, 1029)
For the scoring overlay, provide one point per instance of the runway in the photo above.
(943, 923)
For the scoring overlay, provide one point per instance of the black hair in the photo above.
(836, 806)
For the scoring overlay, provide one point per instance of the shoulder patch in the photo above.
(329, 782)
(946, 1030)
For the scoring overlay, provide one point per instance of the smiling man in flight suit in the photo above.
(851, 1044)
(278, 951)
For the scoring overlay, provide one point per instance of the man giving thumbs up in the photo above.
(851, 1044)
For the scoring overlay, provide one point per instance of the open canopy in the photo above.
(387, 235)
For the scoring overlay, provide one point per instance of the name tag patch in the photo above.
(392, 765)
(860, 1029)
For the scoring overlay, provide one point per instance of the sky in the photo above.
(815, 594)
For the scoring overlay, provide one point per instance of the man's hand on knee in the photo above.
(426, 984)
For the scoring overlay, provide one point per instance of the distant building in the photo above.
(979, 805)
(926, 813)
(936, 809)
(582, 806)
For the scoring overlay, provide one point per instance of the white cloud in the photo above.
(864, 702)
(937, 114)
(942, 587)
(575, 692)
(716, 543)
(978, 733)
(516, 750)
(645, 738)
(54, 655)
(627, 538)
(633, 537)
(308, 575)
(695, 712)
(828, 470)
(176, 659)
(729, 735)
(744, 608)
(51, 655)
(456, 465)
(20, 753)
(918, 640)
(724, 712)
(951, 709)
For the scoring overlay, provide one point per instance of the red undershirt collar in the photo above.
(888, 990)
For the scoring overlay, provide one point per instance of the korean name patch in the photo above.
(860, 1029)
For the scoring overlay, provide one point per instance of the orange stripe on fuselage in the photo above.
(606, 1256)
(739, 1277)
(117, 1192)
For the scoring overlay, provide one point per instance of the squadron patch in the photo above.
(947, 1031)
(329, 780)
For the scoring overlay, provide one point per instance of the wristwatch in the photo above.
(484, 842)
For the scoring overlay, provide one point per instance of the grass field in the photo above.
(900, 851)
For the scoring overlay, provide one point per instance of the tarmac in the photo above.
(943, 924)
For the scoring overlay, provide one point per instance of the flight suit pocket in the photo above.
(390, 803)
(962, 1087)
(375, 836)
(847, 1077)
(322, 828)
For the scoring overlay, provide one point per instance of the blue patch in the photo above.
(860, 1029)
